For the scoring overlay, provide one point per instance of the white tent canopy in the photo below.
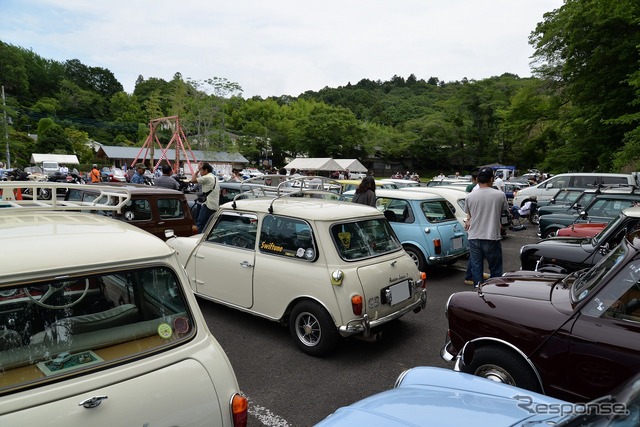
(314, 164)
(353, 165)
(70, 159)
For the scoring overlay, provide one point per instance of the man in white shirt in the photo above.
(499, 183)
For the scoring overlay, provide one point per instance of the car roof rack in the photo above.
(43, 195)
(289, 187)
(302, 185)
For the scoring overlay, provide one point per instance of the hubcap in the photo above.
(495, 373)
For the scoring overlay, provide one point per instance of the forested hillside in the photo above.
(580, 112)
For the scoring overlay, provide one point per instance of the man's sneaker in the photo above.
(485, 276)
(468, 282)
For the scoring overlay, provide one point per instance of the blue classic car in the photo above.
(427, 396)
(426, 225)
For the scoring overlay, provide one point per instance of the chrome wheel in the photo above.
(495, 373)
(308, 329)
(312, 328)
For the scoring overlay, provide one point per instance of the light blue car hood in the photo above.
(440, 397)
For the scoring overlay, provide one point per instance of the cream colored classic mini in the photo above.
(323, 267)
(98, 326)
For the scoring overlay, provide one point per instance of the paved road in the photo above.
(285, 387)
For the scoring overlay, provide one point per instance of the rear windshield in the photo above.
(73, 326)
(364, 239)
(437, 211)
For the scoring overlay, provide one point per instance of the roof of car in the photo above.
(139, 188)
(409, 195)
(307, 208)
(45, 243)
(454, 192)
(632, 212)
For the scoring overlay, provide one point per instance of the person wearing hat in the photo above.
(138, 176)
(95, 174)
(484, 208)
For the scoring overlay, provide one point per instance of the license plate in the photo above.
(456, 243)
(399, 292)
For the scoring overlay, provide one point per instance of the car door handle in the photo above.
(92, 402)
(246, 264)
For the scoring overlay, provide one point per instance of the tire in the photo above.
(534, 218)
(502, 365)
(530, 261)
(312, 328)
(417, 257)
(550, 233)
(45, 194)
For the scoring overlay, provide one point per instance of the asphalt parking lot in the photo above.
(286, 387)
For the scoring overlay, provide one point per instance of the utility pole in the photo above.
(6, 128)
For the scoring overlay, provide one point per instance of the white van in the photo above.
(50, 167)
(548, 188)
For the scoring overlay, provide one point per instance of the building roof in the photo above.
(116, 152)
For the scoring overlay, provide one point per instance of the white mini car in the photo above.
(98, 326)
(326, 268)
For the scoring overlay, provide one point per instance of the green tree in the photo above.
(13, 72)
(52, 138)
(590, 50)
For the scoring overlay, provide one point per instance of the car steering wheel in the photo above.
(53, 289)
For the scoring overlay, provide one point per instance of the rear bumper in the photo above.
(446, 259)
(364, 325)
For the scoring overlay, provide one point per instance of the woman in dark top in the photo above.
(366, 192)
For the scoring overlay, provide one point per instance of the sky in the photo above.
(285, 47)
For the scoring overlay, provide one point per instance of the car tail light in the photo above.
(437, 244)
(423, 279)
(356, 304)
(239, 407)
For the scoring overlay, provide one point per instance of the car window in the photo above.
(620, 299)
(76, 325)
(289, 237)
(584, 200)
(437, 211)
(585, 181)
(364, 239)
(589, 281)
(137, 210)
(395, 210)
(234, 229)
(170, 208)
(606, 179)
(608, 207)
(556, 182)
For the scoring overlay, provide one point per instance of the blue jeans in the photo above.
(491, 250)
(203, 217)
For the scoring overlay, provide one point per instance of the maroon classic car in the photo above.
(574, 337)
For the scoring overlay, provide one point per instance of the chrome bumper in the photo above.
(448, 356)
(365, 324)
(447, 258)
